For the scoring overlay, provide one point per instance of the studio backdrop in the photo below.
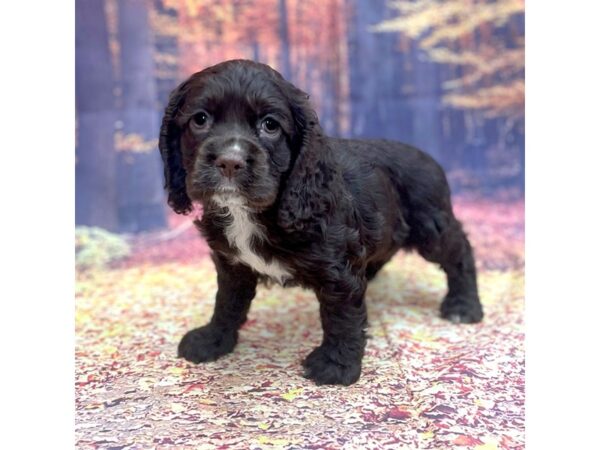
(446, 76)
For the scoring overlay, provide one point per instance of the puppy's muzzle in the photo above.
(230, 164)
(229, 157)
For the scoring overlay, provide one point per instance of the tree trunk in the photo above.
(376, 76)
(166, 46)
(140, 178)
(95, 185)
(426, 104)
(255, 46)
(284, 36)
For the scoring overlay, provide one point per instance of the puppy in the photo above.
(283, 202)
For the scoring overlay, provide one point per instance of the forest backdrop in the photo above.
(444, 75)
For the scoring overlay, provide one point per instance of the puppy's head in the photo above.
(234, 129)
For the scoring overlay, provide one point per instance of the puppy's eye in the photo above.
(200, 120)
(270, 126)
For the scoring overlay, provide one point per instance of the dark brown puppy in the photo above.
(283, 202)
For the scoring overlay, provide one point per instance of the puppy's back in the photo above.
(416, 175)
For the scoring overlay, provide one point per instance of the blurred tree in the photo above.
(392, 97)
(141, 194)
(284, 38)
(461, 32)
(95, 176)
(303, 39)
(164, 26)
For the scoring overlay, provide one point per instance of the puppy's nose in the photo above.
(229, 165)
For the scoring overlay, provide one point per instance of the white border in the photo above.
(37, 188)
(562, 183)
(562, 224)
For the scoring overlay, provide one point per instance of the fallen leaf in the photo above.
(466, 440)
(268, 440)
(177, 407)
(398, 414)
(489, 445)
(291, 394)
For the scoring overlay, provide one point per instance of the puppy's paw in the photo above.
(206, 343)
(324, 366)
(462, 310)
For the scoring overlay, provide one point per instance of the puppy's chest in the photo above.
(243, 235)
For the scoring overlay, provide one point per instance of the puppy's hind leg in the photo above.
(449, 247)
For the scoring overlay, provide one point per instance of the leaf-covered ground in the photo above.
(426, 383)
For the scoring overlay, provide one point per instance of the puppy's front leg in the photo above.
(344, 319)
(236, 289)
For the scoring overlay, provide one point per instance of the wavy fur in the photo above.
(331, 211)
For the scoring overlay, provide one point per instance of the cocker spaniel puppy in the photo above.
(283, 202)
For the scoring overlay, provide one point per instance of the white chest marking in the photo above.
(240, 233)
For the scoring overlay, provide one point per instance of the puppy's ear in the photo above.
(170, 152)
(308, 193)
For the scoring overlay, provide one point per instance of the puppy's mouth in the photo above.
(227, 192)
(200, 191)
(234, 197)
(228, 188)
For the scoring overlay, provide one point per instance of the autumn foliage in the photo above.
(462, 33)
(446, 76)
(309, 33)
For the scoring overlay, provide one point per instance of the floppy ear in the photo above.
(309, 192)
(168, 143)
